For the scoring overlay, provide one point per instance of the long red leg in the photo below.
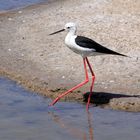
(92, 84)
(79, 85)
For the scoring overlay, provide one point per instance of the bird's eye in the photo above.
(68, 27)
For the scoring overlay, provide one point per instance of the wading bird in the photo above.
(85, 47)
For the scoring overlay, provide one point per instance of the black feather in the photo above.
(91, 44)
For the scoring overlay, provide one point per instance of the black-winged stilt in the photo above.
(85, 47)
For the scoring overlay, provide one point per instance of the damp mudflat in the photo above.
(27, 116)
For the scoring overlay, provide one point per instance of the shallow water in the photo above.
(14, 4)
(26, 116)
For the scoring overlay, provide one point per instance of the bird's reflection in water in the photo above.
(76, 132)
(90, 126)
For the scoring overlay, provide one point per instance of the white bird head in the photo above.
(68, 27)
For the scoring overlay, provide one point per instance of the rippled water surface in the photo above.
(13, 4)
(26, 116)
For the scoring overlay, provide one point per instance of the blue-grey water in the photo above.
(26, 116)
(14, 4)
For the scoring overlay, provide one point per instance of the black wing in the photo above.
(91, 44)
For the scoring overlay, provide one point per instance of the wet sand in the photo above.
(44, 64)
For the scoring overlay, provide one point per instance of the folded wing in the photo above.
(91, 44)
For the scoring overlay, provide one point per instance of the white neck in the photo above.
(69, 37)
(72, 32)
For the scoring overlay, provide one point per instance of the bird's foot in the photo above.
(54, 102)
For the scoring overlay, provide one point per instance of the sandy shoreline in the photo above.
(44, 64)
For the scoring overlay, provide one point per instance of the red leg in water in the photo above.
(79, 85)
(92, 84)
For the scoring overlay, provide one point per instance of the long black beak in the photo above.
(57, 32)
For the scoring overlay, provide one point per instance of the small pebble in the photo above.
(23, 21)
(22, 54)
(115, 73)
(63, 77)
(9, 49)
(111, 81)
(102, 83)
(19, 12)
(9, 19)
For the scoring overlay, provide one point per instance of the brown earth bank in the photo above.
(44, 64)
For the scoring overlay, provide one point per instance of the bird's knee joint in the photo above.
(86, 81)
(93, 77)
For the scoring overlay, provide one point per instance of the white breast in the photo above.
(70, 42)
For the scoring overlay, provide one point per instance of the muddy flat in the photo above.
(44, 64)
